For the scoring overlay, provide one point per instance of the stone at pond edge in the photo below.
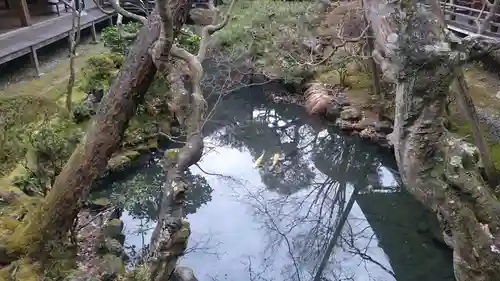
(383, 127)
(350, 114)
(363, 124)
(122, 160)
(113, 228)
(332, 111)
(99, 204)
(344, 125)
(110, 267)
(113, 246)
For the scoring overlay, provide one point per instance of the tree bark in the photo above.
(42, 230)
(441, 171)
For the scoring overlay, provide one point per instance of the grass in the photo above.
(29, 102)
(265, 29)
(483, 87)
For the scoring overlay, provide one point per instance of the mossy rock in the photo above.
(100, 203)
(114, 247)
(113, 229)
(110, 267)
(122, 160)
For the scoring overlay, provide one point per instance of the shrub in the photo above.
(189, 40)
(53, 142)
(81, 112)
(117, 43)
(15, 114)
(98, 72)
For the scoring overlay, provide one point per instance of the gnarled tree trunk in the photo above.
(443, 172)
(44, 227)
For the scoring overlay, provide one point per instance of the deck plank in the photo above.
(42, 34)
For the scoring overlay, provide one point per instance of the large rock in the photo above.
(344, 125)
(333, 111)
(350, 114)
(364, 123)
(383, 127)
(113, 229)
(110, 267)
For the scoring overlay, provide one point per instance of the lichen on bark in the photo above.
(417, 55)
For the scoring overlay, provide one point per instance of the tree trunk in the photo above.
(438, 169)
(52, 220)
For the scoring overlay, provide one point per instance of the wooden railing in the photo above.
(464, 18)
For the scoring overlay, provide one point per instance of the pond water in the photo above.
(331, 209)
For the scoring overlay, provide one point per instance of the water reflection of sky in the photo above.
(243, 242)
(261, 226)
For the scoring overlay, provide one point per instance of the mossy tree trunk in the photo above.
(420, 58)
(44, 228)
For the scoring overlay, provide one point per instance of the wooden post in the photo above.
(23, 12)
(34, 60)
(94, 33)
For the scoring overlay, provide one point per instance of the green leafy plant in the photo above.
(53, 142)
(98, 72)
(117, 43)
(81, 112)
(30, 184)
(189, 40)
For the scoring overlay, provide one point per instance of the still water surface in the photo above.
(332, 209)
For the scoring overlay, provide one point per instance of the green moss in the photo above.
(122, 160)
(98, 72)
(265, 29)
(463, 129)
(25, 271)
(112, 265)
(101, 202)
(16, 113)
(185, 230)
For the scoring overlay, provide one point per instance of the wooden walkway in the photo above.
(28, 39)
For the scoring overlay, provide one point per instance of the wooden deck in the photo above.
(28, 39)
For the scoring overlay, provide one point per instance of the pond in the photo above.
(331, 209)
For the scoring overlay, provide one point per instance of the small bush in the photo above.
(53, 142)
(189, 40)
(31, 184)
(98, 72)
(16, 113)
(81, 112)
(55, 139)
(117, 43)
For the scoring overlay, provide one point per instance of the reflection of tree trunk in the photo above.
(342, 213)
(336, 234)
